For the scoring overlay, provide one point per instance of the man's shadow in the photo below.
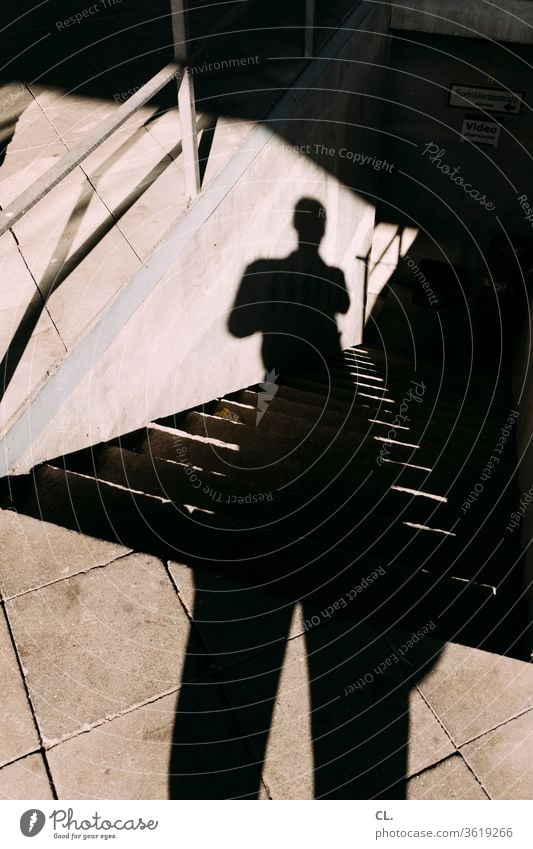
(293, 301)
(291, 614)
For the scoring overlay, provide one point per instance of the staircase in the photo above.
(315, 480)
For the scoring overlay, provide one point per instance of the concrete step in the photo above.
(369, 520)
(364, 421)
(447, 410)
(396, 363)
(464, 611)
(306, 404)
(206, 453)
(307, 446)
(448, 393)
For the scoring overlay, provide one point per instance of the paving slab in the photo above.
(101, 642)
(132, 756)
(21, 168)
(15, 98)
(331, 726)
(450, 779)
(25, 779)
(472, 691)
(34, 361)
(18, 289)
(32, 128)
(66, 217)
(18, 732)
(34, 553)
(160, 200)
(236, 618)
(84, 279)
(501, 759)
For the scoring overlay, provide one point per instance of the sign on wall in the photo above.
(489, 98)
(480, 130)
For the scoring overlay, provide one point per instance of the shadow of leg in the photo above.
(223, 722)
(360, 734)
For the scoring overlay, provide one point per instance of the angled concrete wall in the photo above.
(164, 345)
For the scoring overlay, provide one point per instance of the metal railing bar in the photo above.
(51, 178)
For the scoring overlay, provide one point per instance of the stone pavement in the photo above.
(94, 642)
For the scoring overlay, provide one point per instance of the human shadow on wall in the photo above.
(293, 649)
(293, 301)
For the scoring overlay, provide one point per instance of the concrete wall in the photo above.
(508, 20)
(419, 192)
(176, 350)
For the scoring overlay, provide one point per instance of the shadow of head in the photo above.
(309, 221)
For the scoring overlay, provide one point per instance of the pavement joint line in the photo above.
(193, 625)
(498, 725)
(30, 702)
(437, 717)
(443, 760)
(36, 751)
(86, 571)
(472, 770)
(266, 785)
(11, 230)
(99, 723)
(181, 598)
(38, 288)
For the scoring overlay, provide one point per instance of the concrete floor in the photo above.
(93, 647)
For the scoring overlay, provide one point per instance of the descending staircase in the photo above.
(312, 481)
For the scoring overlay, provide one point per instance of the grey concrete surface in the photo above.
(35, 553)
(501, 759)
(474, 693)
(19, 734)
(103, 657)
(25, 779)
(119, 628)
(450, 779)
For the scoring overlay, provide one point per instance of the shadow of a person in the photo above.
(281, 688)
(293, 301)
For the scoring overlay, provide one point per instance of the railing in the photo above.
(179, 70)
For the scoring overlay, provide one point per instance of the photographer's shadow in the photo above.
(293, 301)
(277, 655)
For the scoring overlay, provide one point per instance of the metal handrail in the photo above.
(38, 190)
(178, 70)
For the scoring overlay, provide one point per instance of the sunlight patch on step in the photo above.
(418, 527)
(377, 398)
(408, 465)
(367, 376)
(207, 440)
(192, 509)
(395, 442)
(469, 581)
(237, 404)
(389, 424)
(420, 492)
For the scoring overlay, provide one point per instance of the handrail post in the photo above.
(186, 101)
(309, 27)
